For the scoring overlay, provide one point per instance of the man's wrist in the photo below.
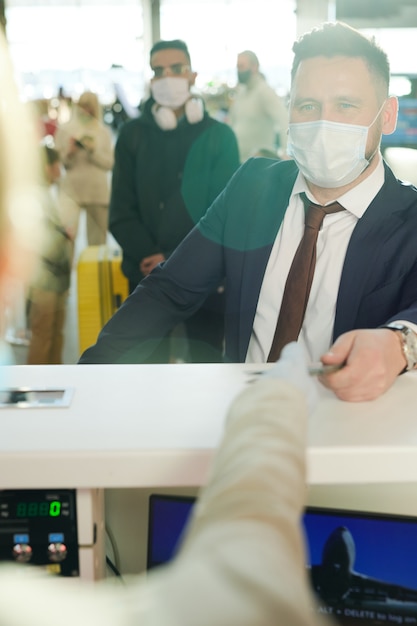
(408, 343)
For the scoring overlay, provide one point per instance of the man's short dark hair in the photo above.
(339, 39)
(173, 44)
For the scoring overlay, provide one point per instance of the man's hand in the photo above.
(373, 361)
(149, 262)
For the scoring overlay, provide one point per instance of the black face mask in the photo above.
(244, 76)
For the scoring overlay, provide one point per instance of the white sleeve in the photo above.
(242, 561)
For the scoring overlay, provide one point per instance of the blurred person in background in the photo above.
(85, 147)
(170, 164)
(257, 114)
(48, 291)
(47, 123)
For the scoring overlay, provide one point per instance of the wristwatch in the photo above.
(408, 343)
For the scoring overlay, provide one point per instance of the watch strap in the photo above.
(403, 333)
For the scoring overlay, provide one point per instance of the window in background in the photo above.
(399, 44)
(82, 45)
(217, 30)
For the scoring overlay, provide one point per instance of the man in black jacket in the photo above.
(170, 164)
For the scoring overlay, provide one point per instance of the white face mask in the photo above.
(329, 154)
(170, 92)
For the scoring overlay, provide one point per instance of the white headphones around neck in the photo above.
(167, 120)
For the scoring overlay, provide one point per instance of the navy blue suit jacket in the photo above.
(233, 241)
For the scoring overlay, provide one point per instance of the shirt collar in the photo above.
(356, 200)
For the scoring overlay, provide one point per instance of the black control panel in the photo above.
(39, 526)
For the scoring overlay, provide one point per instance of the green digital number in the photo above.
(55, 508)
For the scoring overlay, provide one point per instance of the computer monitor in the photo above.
(362, 566)
(168, 516)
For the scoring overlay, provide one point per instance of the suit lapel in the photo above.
(362, 268)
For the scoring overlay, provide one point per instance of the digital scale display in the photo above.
(33, 504)
(39, 527)
(38, 509)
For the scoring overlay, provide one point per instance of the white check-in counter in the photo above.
(155, 427)
(158, 425)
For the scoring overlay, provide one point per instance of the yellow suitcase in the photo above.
(101, 289)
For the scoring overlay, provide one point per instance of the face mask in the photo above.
(170, 92)
(329, 154)
(244, 76)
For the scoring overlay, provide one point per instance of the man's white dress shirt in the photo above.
(333, 239)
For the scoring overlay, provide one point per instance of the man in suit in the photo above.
(366, 272)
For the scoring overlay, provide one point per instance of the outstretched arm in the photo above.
(242, 561)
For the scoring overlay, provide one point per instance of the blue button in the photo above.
(56, 537)
(21, 538)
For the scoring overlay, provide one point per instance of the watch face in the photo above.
(409, 344)
(411, 340)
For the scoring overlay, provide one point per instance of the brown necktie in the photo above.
(300, 277)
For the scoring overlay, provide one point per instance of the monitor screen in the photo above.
(362, 566)
(168, 516)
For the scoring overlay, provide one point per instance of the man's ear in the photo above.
(389, 115)
(193, 76)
